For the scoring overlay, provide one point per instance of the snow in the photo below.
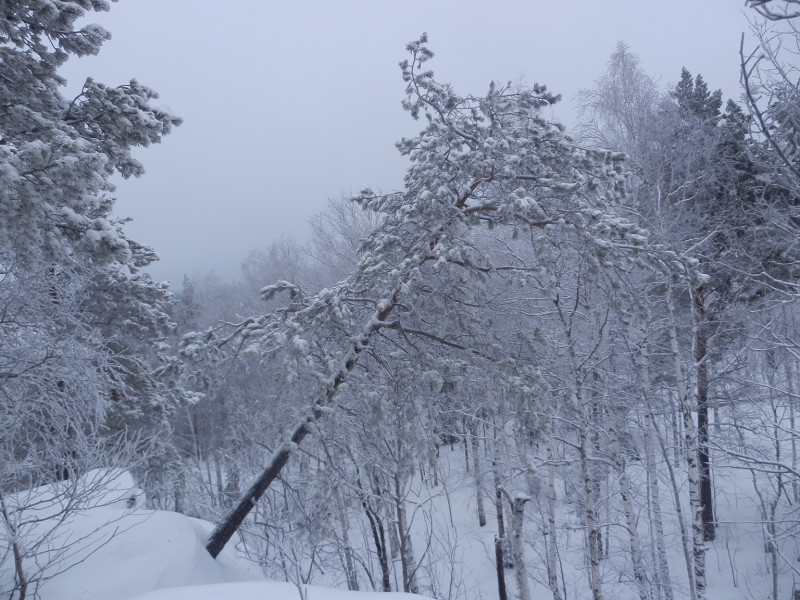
(137, 554)
(126, 553)
(151, 550)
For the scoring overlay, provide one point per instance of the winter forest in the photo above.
(555, 364)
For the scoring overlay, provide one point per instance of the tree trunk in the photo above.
(662, 580)
(663, 583)
(552, 542)
(344, 523)
(220, 494)
(594, 539)
(407, 561)
(517, 504)
(793, 428)
(677, 438)
(180, 492)
(379, 538)
(233, 520)
(690, 438)
(639, 575)
(467, 442)
(502, 594)
(211, 492)
(596, 418)
(687, 554)
(701, 358)
(476, 472)
(224, 531)
(500, 540)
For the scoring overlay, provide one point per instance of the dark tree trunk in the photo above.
(379, 537)
(703, 459)
(224, 531)
(501, 576)
(501, 559)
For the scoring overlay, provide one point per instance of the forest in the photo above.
(554, 364)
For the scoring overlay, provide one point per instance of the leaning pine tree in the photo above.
(490, 161)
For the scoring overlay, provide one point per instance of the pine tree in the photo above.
(81, 323)
(490, 161)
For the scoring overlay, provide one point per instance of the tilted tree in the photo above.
(490, 161)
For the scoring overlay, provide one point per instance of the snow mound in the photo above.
(90, 540)
(141, 551)
(159, 555)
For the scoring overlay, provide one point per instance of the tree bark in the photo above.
(407, 561)
(476, 472)
(500, 540)
(792, 426)
(594, 539)
(552, 541)
(379, 538)
(465, 437)
(349, 565)
(690, 438)
(663, 583)
(220, 486)
(502, 594)
(703, 459)
(662, 579)
(594, 542)
(639, 575)
(233, 520)
(517, 504)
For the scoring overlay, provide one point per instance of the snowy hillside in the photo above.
(108, 551)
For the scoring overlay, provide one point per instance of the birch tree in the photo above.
(698, 191)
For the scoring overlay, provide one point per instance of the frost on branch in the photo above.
(57, 155)
(426, 277)
(81, 326)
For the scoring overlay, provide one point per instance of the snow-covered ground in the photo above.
(159, 555)
(110, 548)
(105, 547)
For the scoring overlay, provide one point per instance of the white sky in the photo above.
(286, 104)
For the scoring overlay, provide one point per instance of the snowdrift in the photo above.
(100, 545)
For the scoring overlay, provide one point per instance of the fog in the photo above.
(286, 105)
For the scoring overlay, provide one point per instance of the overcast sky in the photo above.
(287, 104)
